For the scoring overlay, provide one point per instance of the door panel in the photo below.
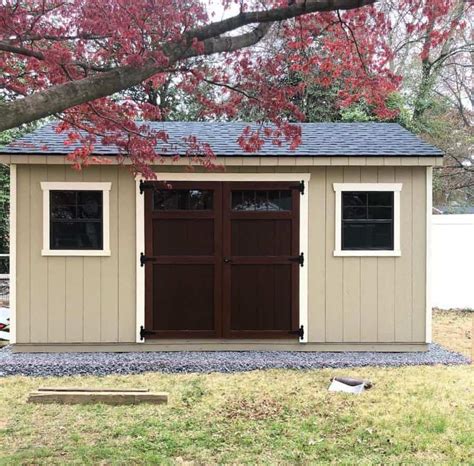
(261, 237)
(185, 298)
(260, 244)
(260, 298)
(183, 237)
(183, 277)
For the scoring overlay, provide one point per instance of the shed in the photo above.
(323, 248)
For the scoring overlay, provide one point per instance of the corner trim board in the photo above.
(429, 209)
(13, 217)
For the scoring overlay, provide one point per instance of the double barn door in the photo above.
(221, 260)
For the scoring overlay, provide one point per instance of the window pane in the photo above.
(353, 212)
(281, 199)
(262, 200)
(63, 212)
(368, 236)
(380, 198)
(354, 199)
(63, 197)
(182, 199)
(380, 213)
(89, 204)
(76, 235)
(354, 236)
(381, 236)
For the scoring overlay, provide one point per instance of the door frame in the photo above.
(223, 177)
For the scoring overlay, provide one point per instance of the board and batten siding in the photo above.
(351, 299)
(367, 299)
(75, 299)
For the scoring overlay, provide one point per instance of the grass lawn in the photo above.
(415, 415)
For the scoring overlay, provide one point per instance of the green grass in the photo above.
(412, 415)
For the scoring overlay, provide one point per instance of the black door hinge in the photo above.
(145, 333)
(301, 187)
(144, 259)
(299, 259)
(299, 332)
(144, 185)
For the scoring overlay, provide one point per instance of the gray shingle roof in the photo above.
(318, 139)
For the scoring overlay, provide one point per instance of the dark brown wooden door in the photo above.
(183, 247)
(221, 260)
(260, 248)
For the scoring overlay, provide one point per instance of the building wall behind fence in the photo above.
(351, 299)
(453, 261)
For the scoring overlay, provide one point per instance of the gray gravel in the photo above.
(64, 364)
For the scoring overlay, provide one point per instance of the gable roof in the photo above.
(318, 139)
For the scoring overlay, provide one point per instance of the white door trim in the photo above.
(242, 177)
(140, 271)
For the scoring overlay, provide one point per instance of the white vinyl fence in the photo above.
(452, 261)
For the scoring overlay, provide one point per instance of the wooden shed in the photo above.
(322, 248)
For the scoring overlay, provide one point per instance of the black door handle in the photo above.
(227, 260)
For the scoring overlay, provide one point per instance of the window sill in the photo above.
(76, 252)
(356, 253)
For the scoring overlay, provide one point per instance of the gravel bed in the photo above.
(64, 364)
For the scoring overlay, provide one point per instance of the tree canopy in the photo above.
(107, 66)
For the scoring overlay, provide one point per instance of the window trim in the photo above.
(389, 187)
(76, 186)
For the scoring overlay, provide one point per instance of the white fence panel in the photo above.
(452, 261)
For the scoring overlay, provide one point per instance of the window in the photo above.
(182, 199)
(367, 219)
(75, 219)
(262, 200)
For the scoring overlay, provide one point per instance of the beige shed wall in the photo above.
(75, 299)
(351, 299)
(367, 299)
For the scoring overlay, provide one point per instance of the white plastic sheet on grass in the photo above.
(337, 386)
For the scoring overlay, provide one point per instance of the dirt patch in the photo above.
(453, 329)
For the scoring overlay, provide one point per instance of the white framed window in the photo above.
(367, 219)
(76, 218)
